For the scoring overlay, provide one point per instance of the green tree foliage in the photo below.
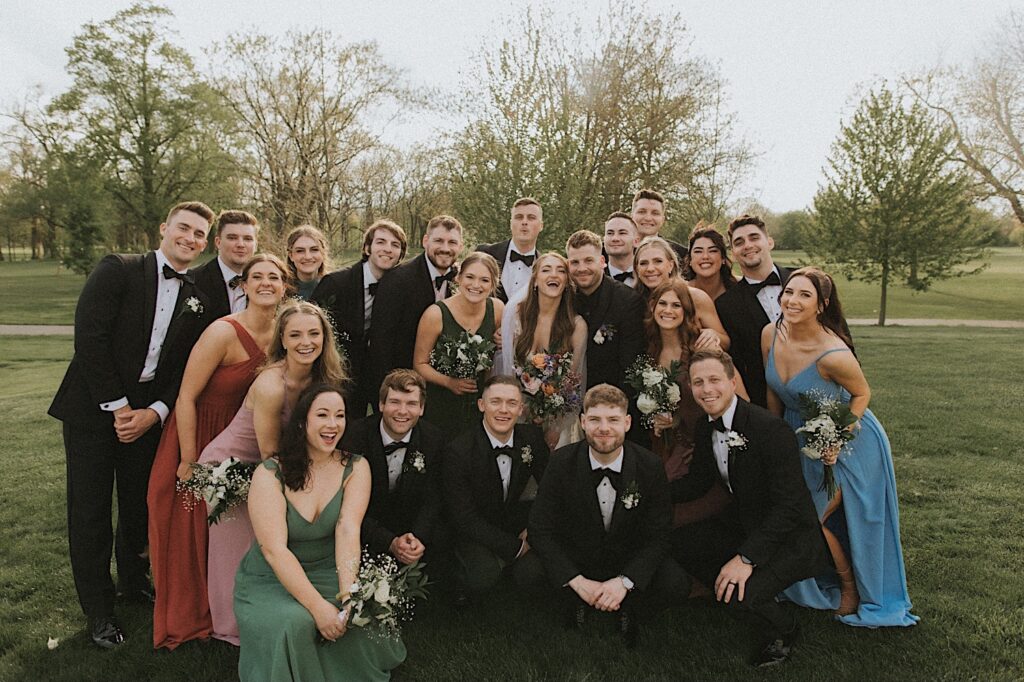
(580, 118)
(894, 207)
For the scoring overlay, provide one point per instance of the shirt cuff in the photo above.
(114, 405)
(161, 410)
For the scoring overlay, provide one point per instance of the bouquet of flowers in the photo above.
(826, 422)
(551, 387)
(221, 486)
(656, 387)
(463, 357)
(383, 595)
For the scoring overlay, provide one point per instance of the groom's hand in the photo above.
(588, 590)
(612, 594)
(732, 579)
(130, 424)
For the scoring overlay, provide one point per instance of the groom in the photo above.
(135, 324)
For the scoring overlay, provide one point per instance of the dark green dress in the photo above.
(452, 413)
(279, 639)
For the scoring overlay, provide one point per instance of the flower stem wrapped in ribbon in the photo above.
(827, 423)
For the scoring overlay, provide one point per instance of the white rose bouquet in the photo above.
(656, 387)
(464, 357)
(827, 427)
(383, 596)
(220, 485)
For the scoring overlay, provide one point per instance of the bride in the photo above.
(540, 320)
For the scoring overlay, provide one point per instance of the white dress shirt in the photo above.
(768, 296)
(629, 281)
(369, 279)
(718, 443)
(504, 461)
(396, 460)
(515, 276)
(442, 293)
(236, 297)
(606, 494)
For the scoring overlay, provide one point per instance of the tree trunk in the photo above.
(885, 291)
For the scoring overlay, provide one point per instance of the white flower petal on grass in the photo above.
(52, 643)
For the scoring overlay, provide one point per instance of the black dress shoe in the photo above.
(143, 594)
(776, 651)
(105, 633)
(628, 629)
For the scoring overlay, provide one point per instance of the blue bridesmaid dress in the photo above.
(865, 474)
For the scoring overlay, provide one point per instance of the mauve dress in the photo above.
(177, 535)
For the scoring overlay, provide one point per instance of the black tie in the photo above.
(391, 448)
(613, 476)
(372, 287)
(170, 272)
(771, 280)
(622, 276)
(235, 281)
(502, 450)
(441, 279)
(525, 260)
(718, 425)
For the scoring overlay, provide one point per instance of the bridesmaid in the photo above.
(451, 402)
(655, 263)
(302, 353)
(308, 258)
(708, 267)
(220, 369)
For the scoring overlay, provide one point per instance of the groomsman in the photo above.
(515, 256)
(620, 240)
(219, 278)
(406, 292)
(404, 454)
(769, 536)
(348, 296)
(746, 308)
(136, 321)
(602, 517)
(649, 215)
(491, 474)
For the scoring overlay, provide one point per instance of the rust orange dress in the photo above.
(178, 535)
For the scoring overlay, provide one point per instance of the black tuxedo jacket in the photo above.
(340, 294)
(743, 319)
(113, 322)
(618, 308)
(498, 251)
(415, 504)
(404, 293)
(566, 528)
(210, 281)
(473, 490)
(770, 500)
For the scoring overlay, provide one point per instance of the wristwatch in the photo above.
(747, 561)
(627, 583)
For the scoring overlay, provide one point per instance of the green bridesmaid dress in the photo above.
(279, 639)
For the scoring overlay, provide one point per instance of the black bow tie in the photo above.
(372, 287)
(170, 272)
(525, 260)
(622, 276)
(600, 473)
(441, 279)
(718, 425)
(771, 280)
(502, 450)
(391, 448)
(235, 281)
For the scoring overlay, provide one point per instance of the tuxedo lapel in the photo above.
(357, 311)
(490, 466)
(409, 477)
(149, 277)
(378, 461)
(180, 317)
(601, 306)
(587, 491)
(626, 479)
(756, 315)
(739, 425)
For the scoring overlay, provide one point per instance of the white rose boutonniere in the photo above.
(735, 441)
(605, 333)
(192, 306)
(526, 454)
(631, 496)
(419, 462)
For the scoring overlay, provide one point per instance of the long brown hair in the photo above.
(293, 451)
(709, 232)
(317, 236)
(830, 311)
(328, 368)
(529, 312)
(688, 331)
(264, 257)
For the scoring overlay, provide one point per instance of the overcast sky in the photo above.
(792, 67)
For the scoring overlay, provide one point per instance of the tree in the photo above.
(894, 206)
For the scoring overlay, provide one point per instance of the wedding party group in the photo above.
(620, 427)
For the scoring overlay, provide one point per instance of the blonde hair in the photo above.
(329, 367)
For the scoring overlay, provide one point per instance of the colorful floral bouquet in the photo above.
(826, 427)
(221, 486)
(463, 357)
(656, 388)
(383, 595)
(551, 387)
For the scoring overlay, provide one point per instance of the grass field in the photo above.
(949, 399)
(40, 292)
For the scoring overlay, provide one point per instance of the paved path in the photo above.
(36, 330)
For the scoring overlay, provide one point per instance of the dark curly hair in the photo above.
(709, 232)
(292, 455)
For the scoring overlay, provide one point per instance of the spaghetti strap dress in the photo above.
(864, 472)
(178, 532)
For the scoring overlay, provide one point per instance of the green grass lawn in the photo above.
(949, 399)
(40, 292)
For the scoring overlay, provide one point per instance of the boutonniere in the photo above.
(735, 441)
(526, 453)
(605, 333)
(191, 305)
(419, 461)
(631, 496)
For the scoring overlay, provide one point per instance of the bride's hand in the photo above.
(551, 438)
(461, 386)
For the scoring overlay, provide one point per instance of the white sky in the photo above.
(792, 67)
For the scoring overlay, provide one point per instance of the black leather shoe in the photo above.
(144, 594)
(105, 633)
(776, 651)
(628, 629)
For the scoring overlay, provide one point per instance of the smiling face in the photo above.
(705, 258)
(325, 422)
(442, 246)
(307, 256)
(668, 311)
(385, 249)
(712, 387)
(265, 284)
(183, 237)
(620, 237)
(302, 338)
(400, 411)
(502, 405)
(236, 243)
(586, 267)
(605, 427)
(649, 216)
(475, 282)
(550, 276)
(751, 247)
(526, 223)
(799, 300)
(654, 266)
